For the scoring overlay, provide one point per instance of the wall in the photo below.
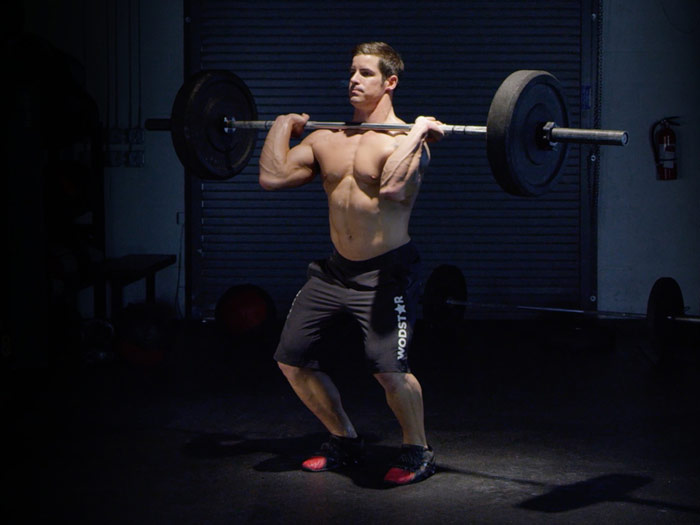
(141, 203)
(649, 228)
(512, 250)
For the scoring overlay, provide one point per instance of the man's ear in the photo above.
(391, 83)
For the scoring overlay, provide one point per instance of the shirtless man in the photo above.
(372, 180)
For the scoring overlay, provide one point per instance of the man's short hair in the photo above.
(390, 62)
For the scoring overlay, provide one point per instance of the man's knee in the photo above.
(289, 371)
(395, 381)
(296, 374)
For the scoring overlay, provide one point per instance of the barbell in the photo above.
(214, 128)
(445, 301)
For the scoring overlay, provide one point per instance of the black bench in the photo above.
(121, 271)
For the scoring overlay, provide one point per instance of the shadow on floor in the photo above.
(288, 454)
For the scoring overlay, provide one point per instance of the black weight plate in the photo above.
(445, 282)
(519, 162)
(197, 124)
(665, 299)
(184, 151)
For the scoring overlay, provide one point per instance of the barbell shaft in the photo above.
(231, 124)
(556, 134)
(525, 147)
(599, 314)
(553, 309)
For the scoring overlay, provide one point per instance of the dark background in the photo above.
(155, 414)
(96, 70)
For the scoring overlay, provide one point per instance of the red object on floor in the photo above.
(399, 476)
(315, 463)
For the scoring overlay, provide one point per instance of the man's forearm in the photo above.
(402, 170)
(274, 155)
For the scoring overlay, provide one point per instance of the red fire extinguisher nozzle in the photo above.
(663, 144)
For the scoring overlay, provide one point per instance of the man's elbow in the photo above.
(268, 182)
(393, 193)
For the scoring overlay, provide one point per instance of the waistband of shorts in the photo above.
(406, 253)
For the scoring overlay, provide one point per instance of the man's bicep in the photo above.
(301, 162)
(301, 156)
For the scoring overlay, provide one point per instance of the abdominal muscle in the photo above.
(362, 224)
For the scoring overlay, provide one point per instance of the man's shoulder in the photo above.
(316, 135)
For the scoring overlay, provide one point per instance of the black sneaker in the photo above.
(335, 453)
(415, 463)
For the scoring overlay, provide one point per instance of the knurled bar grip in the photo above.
(230, 125)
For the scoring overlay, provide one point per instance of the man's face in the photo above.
(366, 85)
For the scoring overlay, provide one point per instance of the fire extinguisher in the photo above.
(663, 143)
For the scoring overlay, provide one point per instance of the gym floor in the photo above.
(531, 421)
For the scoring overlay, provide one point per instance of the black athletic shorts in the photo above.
(380, 293)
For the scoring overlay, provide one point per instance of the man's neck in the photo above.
(381, 113)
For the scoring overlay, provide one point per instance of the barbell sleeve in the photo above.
(686, 319)
(603, 137)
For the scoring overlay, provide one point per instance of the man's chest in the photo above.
(359, 155)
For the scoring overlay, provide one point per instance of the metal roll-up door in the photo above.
(294, 56)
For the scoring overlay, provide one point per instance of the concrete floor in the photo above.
(531, 423)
